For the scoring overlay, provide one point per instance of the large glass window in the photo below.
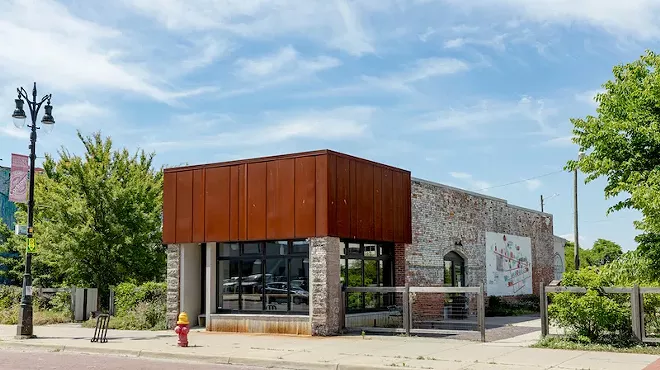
(268, 276)
(367, 265)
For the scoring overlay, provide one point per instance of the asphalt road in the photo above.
(37, 360)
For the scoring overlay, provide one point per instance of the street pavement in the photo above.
(40, 360)
(343, 352)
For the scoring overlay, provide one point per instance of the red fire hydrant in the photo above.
(182, 329)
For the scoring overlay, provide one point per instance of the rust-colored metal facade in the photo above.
(312, 194)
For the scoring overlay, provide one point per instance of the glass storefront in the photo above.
(270, 277)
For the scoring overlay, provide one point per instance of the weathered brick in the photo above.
(324, 256)
(443, 216)
(173, 294)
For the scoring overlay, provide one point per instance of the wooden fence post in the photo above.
(406, 309)
(544, 310)
(73, 303)
(636, 313)
(481, 312)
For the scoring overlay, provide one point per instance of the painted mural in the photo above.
(7, 208)
(508, 264)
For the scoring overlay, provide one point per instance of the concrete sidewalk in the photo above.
(347, 352)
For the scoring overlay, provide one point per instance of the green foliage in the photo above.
(9, 296)
(128, 296)
(603, 252)
(623, 143)
(522, 305)
(563, 343)
(97, 218)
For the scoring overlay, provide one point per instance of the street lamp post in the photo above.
(24, 329)
(576, 249)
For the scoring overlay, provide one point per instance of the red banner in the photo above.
(18, 178)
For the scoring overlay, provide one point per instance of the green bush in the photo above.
(128, 295)
(521, 305)
(9, 296)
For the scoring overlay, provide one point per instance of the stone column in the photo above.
(173, 263)
(325, 297)
(210, 293)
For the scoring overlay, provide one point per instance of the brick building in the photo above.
(264, 245)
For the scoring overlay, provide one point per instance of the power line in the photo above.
(519, 181)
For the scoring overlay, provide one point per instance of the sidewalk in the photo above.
(347, 352)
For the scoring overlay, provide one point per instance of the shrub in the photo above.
(520, 305)
(129, 295)
(9, 296)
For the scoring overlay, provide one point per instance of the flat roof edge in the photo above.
(479, 195)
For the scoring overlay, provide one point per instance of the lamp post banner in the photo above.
(18, 182)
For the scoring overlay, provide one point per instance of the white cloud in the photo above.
(560, 141)
(78, 113)
(571, 238)
(589, 97)
(11, 131)
(475, 185)
(420, 70)
(495, 42)
(338, 23)
(472, 118)
(345, 123)
(636, 19)
(285, 63)
(67, 53)
(533, 184)
(210, 50)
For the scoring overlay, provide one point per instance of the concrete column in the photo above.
(211, 291)
(191, 281)
(173, 264)
(325, 298)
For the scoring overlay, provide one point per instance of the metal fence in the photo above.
(416, 310)
(643, 302)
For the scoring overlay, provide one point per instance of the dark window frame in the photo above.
(263, 256)
(386, 258)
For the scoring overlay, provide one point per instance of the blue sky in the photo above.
(474, 94)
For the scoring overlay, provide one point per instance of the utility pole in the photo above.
(541, 202)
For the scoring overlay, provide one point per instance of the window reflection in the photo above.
(270, 276)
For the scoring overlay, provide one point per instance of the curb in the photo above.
(224, 360)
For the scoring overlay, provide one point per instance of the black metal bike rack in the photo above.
(101, 331)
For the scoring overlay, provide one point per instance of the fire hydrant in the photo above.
(182, 329)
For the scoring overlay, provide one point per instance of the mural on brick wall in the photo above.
(508, 264)
(7, 208)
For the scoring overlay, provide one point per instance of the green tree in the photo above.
(97, 219)
(603, 252)
(622, 142)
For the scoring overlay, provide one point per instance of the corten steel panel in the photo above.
(328, 193)
(169, 208)
(217, 203)
(184, 209)
(256, 200)
(388, 206)
(378, 203)
(364, 183)
(242, 202)
(343, 197)
(353, 199)
(332, 194)
(399, 210)
(305, 197)
(407, 203)
(321, 195)
(198, 206)
(281, 203)
(233, 203)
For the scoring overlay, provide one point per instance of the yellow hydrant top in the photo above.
(183, 319)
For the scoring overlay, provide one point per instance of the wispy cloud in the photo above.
(472, 118)
(533, 184)
(421, 70)
(286, 63)
(209, 50)
(79, 113)
(472, 183)
(589, 97)
(328, 125)
(561, 141)
(10, 130)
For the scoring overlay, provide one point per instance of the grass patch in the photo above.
(9, 316)
(563, 343)
(145, 316)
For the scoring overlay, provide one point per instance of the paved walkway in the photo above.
(347, 352)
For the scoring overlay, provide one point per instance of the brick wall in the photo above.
(443, 216)
(173, 269)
